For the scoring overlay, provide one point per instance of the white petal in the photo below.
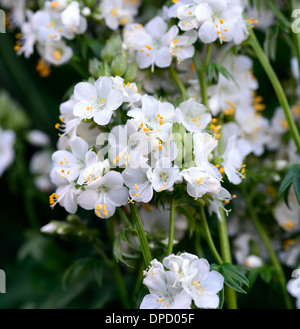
(87, 200)
(150, 302)
(163, 57)
(79, 147)
(84, 91)
(207, 32)
(112, 180)
(156, 27)
(102, 117)
(114, 100)
(119, 197)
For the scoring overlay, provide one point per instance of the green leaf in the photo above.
(80, 267)
(221, 298)
(230, 282)
(292, 172)
(235, 273)
(117, 247)
(296, 184)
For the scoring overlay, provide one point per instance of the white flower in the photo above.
(154, 116)
(73, 22)
(38, 138)
(7, 153)
(40, 165)
(56, 53)
(104, 195)
(163, 293)
(65, 194)
(164, 175)
(56, 5)
(215, 19)
(227, 95)
(140, 187)
(204, 144)
(233, 160)
(128, 145)
(29, 36)
(94, 169)
(97, 101)
(192, 115)
(293, 287)
(202, 284)
(70, 123)
(17, 10)
(253, 261)
(154, 43)
(129, 90)
(288, 218)
(118, 12)
(70, 165)
(182, 47)
(199, 182)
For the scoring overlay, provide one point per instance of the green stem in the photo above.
(172, 226)
(226, 255)
(124, 217)
(277, 87)
(278, 14)
(141, 234)
(115, 267)
(267, 242)
(121, 285)
(180, 85)
(296, 36)
(201, 73)
(209, 239)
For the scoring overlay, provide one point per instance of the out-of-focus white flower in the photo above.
(253, 261)
(293, 287)
(7, 153)
(38, 138)
(17, 10)
(118, 12)
(56, 53)
(73, 22)
(40, 166)
(288, 218)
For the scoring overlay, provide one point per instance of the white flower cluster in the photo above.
(156, 45)
(49, 28)
(181, 280)
(214, 20)
(158, 147)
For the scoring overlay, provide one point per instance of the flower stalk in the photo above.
(137, 222)
(172, 226)
(277, 87)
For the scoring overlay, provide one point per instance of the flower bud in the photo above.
(98, 69)
(112, 46)
(130, 73)
(119, 64)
